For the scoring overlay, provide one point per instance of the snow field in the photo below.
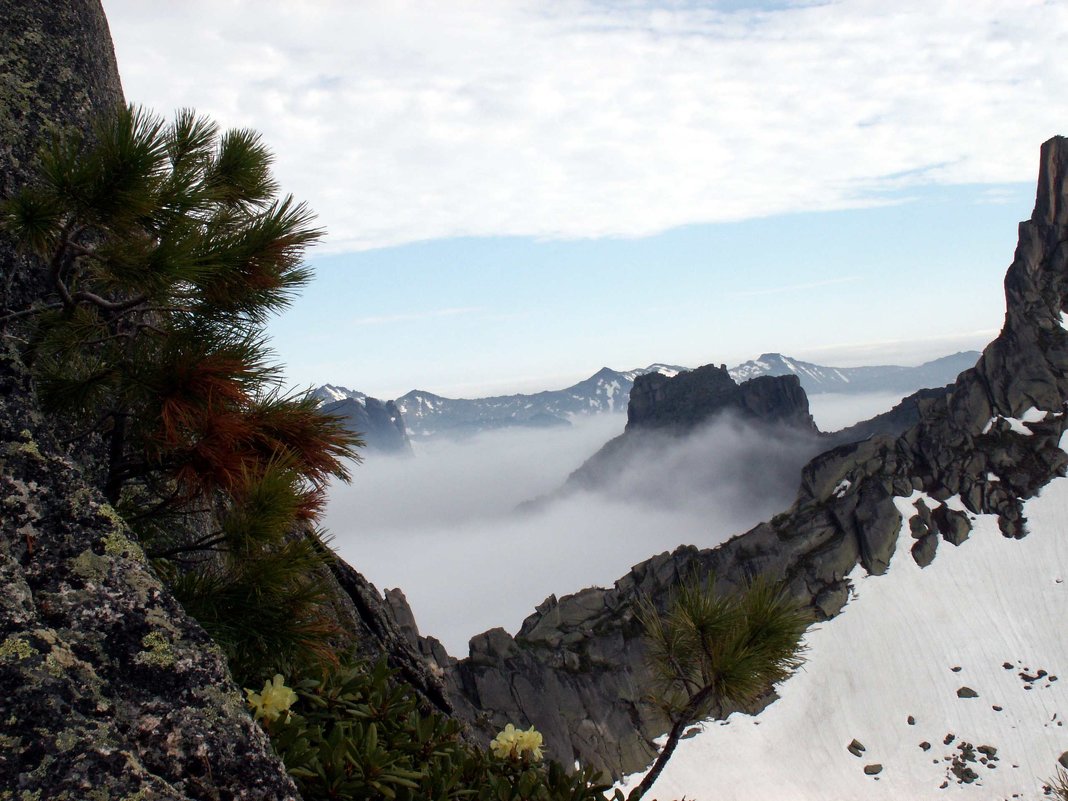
(891, 654)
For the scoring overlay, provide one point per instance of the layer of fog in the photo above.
(833, 411)
(442, 525)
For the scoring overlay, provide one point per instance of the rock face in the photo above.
(681, 403)
(379, 424)
(59, 71)
(575, 668)
(664, 408)
(109, 689)
(900, 418)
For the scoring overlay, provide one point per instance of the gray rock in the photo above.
(856, 748)
(955, 526)
(689, 399)
(923, 550)
(873, 770)
(967, 692)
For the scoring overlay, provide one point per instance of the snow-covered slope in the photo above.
(329, 393)
(890, 672)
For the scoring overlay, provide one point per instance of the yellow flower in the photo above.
(273, 700)
(512, 743)
(504, 744)
(529, 740)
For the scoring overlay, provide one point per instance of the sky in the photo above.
(517, 194)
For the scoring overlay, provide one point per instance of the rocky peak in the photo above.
(683, 402)
(379, 424)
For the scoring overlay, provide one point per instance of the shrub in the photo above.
(359, 734)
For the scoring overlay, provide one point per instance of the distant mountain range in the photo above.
(816, 379)
(424, 414)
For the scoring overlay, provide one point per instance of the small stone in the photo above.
(872, 770)
(911, 720)
(967, 692)
(956, 669)
(949, 738)
(925, 746)
(1063, 759)
(856, 748)
(1007, 665)
(996, 708)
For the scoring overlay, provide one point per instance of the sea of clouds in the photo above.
(443, 526)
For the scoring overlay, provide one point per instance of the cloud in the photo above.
(422, 120)
(441, 526)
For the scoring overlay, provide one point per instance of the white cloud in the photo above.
(420, 120)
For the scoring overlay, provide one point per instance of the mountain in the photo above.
(934, 559)
(426, 414)
(663, 409)
(379, 424)
(816, 378)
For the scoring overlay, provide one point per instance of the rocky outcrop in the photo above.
(685, 401)
(379, 424)
(663, 409)
(575, 668)
(108, 687)
(894, 422)
(58, 71)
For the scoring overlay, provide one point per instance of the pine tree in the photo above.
(708, 649)
(167, 248)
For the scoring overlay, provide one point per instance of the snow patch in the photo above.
(903, 647)
(1016, 424)
(841, 488)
